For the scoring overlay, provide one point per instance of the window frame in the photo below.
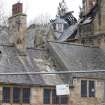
(16, 96)
(92, 86)
(21, 95)
(82, 92)
(3, 97)
(29, 93)
(56, 97)
(88, 93)
(44, 96)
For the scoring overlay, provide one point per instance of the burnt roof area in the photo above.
(69, 18)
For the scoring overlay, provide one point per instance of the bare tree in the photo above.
(42, 19)
(3, 16)
(41, 24)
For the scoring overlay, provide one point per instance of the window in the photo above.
(6, 94)
(50, 97)
(26, 95)
(87, 88)
(91, 89)
(64, 99)
(46, 96)
(59, 27)
(84, 88)
(54, 26)
(55, 98)
(18, 95)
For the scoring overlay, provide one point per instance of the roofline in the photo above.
(19, 14)
(12, 45)
(75, 44)
(32, 48)
(29, 85)
(88, 77)
(26, 84)
(57, 72)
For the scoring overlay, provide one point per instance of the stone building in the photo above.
(78, 49)
(92, 25)
(83, 67)
(64, 25)
(16, 57)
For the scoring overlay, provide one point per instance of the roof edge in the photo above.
(75, 44)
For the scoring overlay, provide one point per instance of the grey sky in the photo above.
(34, 8)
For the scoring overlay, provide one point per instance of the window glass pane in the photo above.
(6, 94)
(64, 99)
(83, 88)
(46, 96)
(55, 98)
(16, 95)
(26, 95)
(91, 89)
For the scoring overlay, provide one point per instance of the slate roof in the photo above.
(12, 61)
(4, 36)
(78, 57)
(88, 18)
(69, 18)
(68, 32)
(33, 31)
(70, 26)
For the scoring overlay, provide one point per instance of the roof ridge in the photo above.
(12, 45)
(75, 44)
(33, 48)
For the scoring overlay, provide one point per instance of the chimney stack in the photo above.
(18, 26)
(17, 8)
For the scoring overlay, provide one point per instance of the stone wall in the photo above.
(17, 30)
(75, 98)
(87, 5)
(36, 96)
(0, 95)
(75, 94)
(99, 21)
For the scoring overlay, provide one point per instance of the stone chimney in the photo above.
(17, 26)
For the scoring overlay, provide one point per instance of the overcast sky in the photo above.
(34, 8)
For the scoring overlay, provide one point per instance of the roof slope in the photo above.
(4, 36)
(13, 61)
(77, 57)
(68, 32)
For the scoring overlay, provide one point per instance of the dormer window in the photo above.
(59, 24)
(59, 27)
